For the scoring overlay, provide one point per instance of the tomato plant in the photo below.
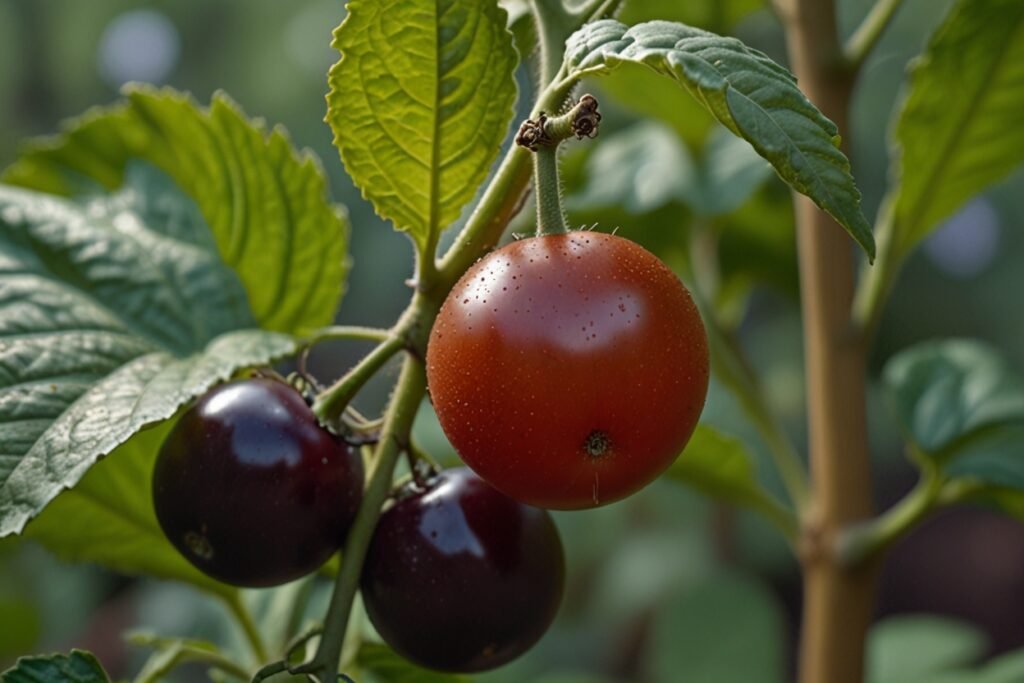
(596, 368)
(161, 260)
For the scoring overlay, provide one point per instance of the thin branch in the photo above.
(401, 413)
(349, 332)
(867, 35)
(248, 626)
(863, 542)
(876, 280)
(331, 403)
(778, 515)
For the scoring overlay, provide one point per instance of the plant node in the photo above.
(532, 135)
(581, 121)
(587, 118)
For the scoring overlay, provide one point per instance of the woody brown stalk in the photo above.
(838, 603)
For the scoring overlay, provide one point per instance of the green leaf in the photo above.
(382, 664)
(946, 393)
(911, 649)
(78, 667)
(1008, 668)
(720, 466)
(643, 91)
(716, 464)
(113, 313)
(420, 103)
(726, 630)
(265, 204)
(646, 166)
(747, 92)
(959, 130)
(522, 25)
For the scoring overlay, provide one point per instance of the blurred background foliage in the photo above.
(665, 586)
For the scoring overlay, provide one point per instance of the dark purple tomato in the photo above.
(568, 370)
(251, 489)
(460, 577)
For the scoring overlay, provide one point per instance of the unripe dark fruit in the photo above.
(251, 489)
(460, 577)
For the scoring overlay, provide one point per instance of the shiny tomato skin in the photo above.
(568, 371)
(250, 488)
(461, 578)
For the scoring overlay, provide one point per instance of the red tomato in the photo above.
(568, 370)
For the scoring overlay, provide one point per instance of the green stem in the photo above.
(550, 216)
(269, 670)
(867, 35)
(860, 543)
(330, 404)
(186, 654)
(350, 332)
(777, 514)
(297, 610)
(398, 422)
(543, 135)
(418, 453)
(877, 280)
(501, 201)
(248, 626)
(553, 27)
(732, 369)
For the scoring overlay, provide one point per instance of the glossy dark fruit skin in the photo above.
(461, 578)
(568, 370)
(249, 487)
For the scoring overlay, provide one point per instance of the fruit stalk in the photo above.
(838, 602)
(331, 403)
(409, 391)
(547, 187)
(542, 135)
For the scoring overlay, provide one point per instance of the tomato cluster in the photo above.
(567, 370)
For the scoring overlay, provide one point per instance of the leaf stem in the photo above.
(400, 415)
(330, 404)
(156, 672)
(777, 514)
(502, 198)
(501, 201)
(876, 280)
(547, 187)
(542, 135)
(553, 20)
(732, 369)
(349, 332)
(248, 626)
(862, 542)
(867, 35)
